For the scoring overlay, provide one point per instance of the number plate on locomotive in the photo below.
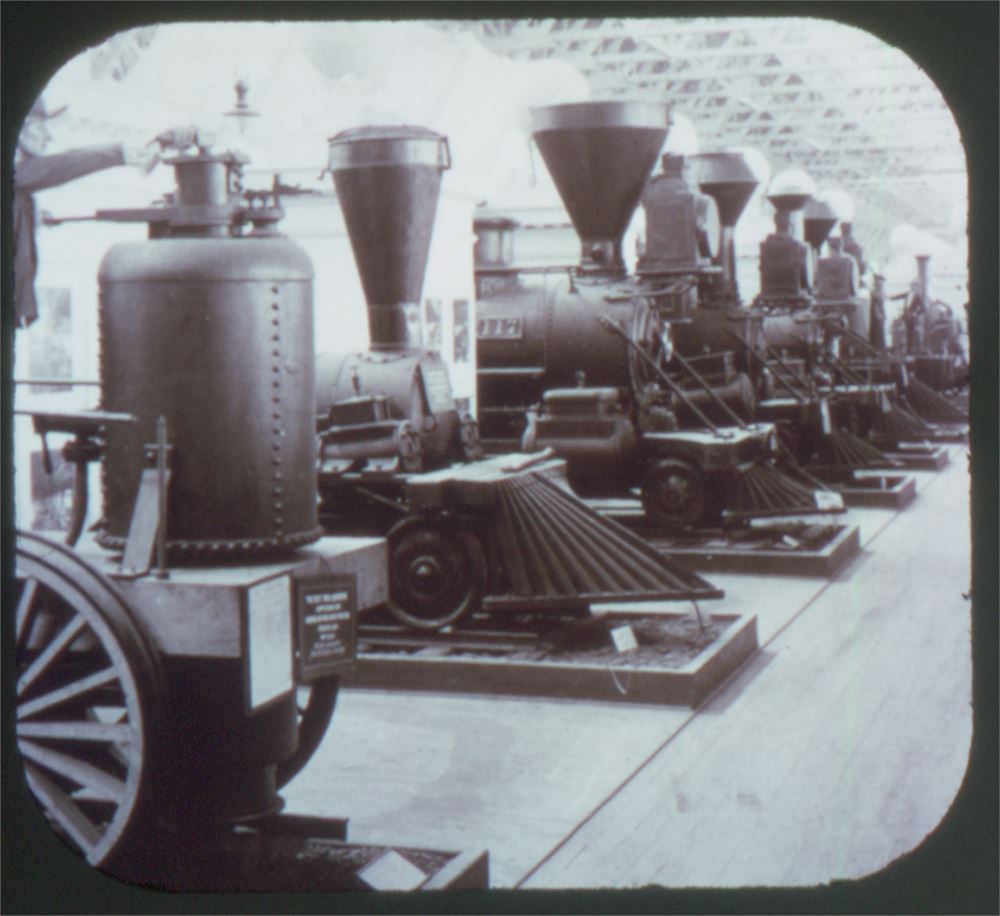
(326, 627)
(499, 329)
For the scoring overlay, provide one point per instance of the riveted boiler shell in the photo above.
(216, 336)
(556, 329)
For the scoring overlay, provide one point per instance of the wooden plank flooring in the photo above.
(833, 751)
(839, 756)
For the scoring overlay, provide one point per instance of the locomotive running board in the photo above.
(788, 548)
(498, 664)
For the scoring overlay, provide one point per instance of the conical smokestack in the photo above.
(600, 155)
(923, 277)
(729, 179)
(818, 220)
(388, 180)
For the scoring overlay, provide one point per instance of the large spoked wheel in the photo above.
(316, 704)
(437, 575)
(673, 495)
(90, 703)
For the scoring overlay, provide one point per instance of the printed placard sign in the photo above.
(327, 627)
(826, 499)
(624, 639)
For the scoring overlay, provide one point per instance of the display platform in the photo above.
(952, 433)
(918, 456)
(668, 659)
(875, 489)
(786, 549)
(872, 489)
(294, 852)
(790, 548)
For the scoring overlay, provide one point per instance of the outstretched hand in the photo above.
(179, 138)
(141, 158)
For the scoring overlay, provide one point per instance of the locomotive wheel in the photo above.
(673, 495)
(437, 576)
(316, 704)
(90, 704)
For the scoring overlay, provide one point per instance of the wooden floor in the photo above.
(834, 751)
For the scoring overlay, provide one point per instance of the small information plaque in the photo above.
(391, 872)
(624, 639)
(826, 499)
(326, 626)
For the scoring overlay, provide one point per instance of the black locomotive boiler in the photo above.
(158, 669)
(583, 360)
(398, 458)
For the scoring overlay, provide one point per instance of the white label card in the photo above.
(827, 499)
(269, 640)
(624, 639)
(391, 872)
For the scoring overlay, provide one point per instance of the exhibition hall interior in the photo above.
(491, 454)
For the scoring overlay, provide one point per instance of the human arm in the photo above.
(36, 173)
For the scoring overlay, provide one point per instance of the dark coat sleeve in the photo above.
(36, 173)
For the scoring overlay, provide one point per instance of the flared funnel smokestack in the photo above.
(924, 277)
(818, 220)
(789, 192)
(388, 180)
(600, 155)
(729, 179)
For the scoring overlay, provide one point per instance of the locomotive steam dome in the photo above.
(192, 321)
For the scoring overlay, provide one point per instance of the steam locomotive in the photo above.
(174, 675)
(927, 337)
(589, 361)
(398, 458)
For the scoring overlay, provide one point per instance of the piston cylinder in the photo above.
(216, 336)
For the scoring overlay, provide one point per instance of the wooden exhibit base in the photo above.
(948, 433)
(783, 549)
(292, 853)
(874, 489)
(919, 456)
(608, 676)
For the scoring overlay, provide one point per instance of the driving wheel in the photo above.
(90, 703)
(437, 574)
